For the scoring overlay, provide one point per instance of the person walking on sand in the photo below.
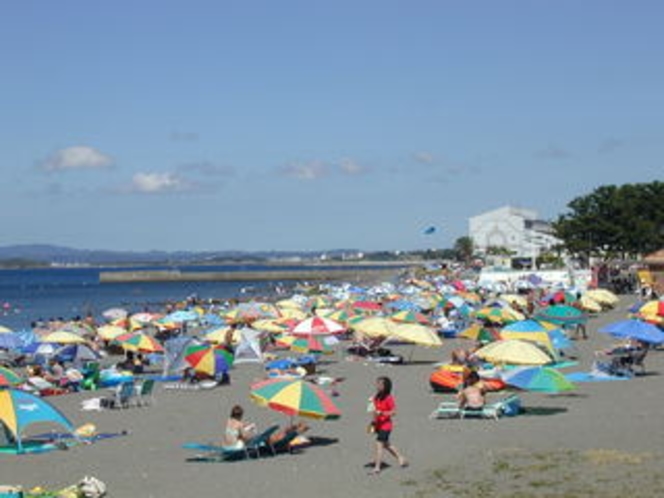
(383, 407)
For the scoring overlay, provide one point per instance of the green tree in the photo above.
(615, 221)
(464, 248)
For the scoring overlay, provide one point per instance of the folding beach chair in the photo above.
(124, 394)
(144, 392)
(261, 442)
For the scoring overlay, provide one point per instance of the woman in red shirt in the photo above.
(384, 408)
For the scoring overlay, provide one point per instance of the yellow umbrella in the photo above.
(292, 313)
(110, 332)
(537, 337)
(288, 303)
(589, 304)
(514, 352)
(272, 325)
(603, 296)
(417, 334)
(515, 299)
(218, 335)
(376, 326)
(61, 337)
(4, 330)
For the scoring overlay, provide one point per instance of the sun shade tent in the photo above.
(19, 409)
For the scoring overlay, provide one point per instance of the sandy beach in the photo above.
(603, 439)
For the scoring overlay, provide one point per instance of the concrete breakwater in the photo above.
(355, 274)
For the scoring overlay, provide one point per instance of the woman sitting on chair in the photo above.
(237, 431)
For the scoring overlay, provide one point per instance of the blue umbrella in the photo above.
(635, 329)
(10, 340)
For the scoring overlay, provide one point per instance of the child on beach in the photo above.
(383, 408)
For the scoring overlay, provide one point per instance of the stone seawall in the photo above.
(355, 274)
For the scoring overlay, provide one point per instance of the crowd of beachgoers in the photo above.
(497, 340)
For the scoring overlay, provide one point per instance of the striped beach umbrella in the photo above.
(561, 314)
(210, 360)
(62, 337)
(295, 398)
(541, 379)
(318, 325)
(9, 378)
(410, 316)
(140, 342)
(305, 344)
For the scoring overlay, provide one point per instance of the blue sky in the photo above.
(307, 125)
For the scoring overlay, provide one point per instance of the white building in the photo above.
(516, 229)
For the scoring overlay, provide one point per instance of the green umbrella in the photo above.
(561, 314)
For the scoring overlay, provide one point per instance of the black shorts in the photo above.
(383, 436)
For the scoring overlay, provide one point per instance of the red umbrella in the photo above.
(317, 325)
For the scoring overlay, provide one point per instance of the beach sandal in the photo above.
(374, 472)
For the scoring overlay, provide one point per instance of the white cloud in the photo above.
(158, 183)
(350, 167)
(305, 171)
(76, 158)
(423, 157)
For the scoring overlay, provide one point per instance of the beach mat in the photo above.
(592, 377)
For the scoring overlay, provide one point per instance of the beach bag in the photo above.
(91, 487)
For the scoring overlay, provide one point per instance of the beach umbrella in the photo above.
(219, 335)
(210, 360)
(115, 314)
(410, 316)
(416, 333)
(478, 333)
(305, 344)
(499, 315)
(515, 299)
(376, 326)
(19, 409)
(10, 340)
(295, 398)
(513, 352)
(9, 378)
(603, 296)
(366, 307)
(110, 332)
(292, 314)
(138, 341)
(5, 330)
(180, 316)
(272, 325)
(288, 303)
(561, 314)
(342, 315)
(145, 318)
(62, 337)
(318, 325)
(541, 379)
(652, 311)
(319, 301)
(589, 304)
(635, 329)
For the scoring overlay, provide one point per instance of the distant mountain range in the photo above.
(58, 255)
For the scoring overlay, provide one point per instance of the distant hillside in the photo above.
(41, 254)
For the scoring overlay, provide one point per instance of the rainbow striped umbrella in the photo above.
(305, 344)
(410, 316)
(295, 398)
(9, 377)
(137, 341)
(210, 360)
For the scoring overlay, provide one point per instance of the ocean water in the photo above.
(30, 295)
